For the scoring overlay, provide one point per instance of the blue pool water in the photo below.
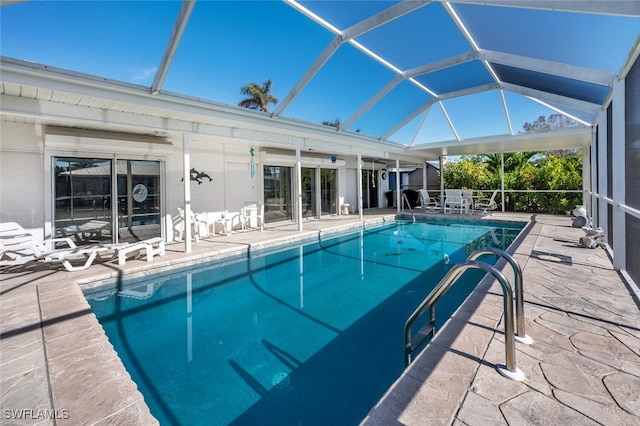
(311, 335)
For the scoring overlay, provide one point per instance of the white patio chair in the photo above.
(252, 215)
(467, 195)
(427, 201)
(199, 228)
(487, 203)
(453, 199)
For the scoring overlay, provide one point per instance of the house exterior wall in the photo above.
(22, 176)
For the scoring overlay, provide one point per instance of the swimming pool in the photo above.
(307, 335)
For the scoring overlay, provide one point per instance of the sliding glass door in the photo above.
(277, 193)
(369, 191)
(308, 192)
(84, 208)
(328, 191)
(138, 200)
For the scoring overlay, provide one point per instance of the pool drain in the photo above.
(281, 380)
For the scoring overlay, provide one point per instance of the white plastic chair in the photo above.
(197, 226)
(426, 201)
(487, 203)
(252, 215)
(453, 199)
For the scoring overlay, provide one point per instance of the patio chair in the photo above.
(252, 215)
(467, 194)
(426, 201)
(18, 247)
(199, 228)
(487, 203)
(453, 199)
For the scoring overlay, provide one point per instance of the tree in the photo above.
(259, 96)
(512, 160)
(554, 121)
(524, 171)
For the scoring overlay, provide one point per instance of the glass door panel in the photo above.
(308, 192)
(277, 193)
(138, 200)
(328, 190)
(369, 189)
(82, 188)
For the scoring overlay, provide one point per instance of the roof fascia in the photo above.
(38, 76)
(601, 7)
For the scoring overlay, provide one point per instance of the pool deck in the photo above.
(583, 366)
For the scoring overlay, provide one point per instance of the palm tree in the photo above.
(512, 160)
(259, 96)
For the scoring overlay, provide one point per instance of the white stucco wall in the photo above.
(26, 177)
(22, 176)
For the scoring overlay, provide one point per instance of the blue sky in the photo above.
(229, 43)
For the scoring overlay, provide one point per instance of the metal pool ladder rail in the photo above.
(521, 336)
(508, 369)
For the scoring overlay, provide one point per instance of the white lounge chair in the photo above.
(427, 201)
(150, 247)
(487, 203)
(17, 247)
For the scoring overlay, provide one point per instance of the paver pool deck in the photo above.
(583, 367)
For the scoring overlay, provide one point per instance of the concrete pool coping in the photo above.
(56, 361)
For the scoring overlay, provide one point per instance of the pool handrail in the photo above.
(521, 335)
(509, 369)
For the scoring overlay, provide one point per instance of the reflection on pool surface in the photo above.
(307, 335)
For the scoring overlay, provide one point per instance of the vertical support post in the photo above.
(502, 178)
(359, 180)
(442, 183)
(398, 194)
(424, 175)
(299, 188)
(602, 171)
(186, 165)
(594, 174)
(618, 175)
(586, 180)
(318, 193)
